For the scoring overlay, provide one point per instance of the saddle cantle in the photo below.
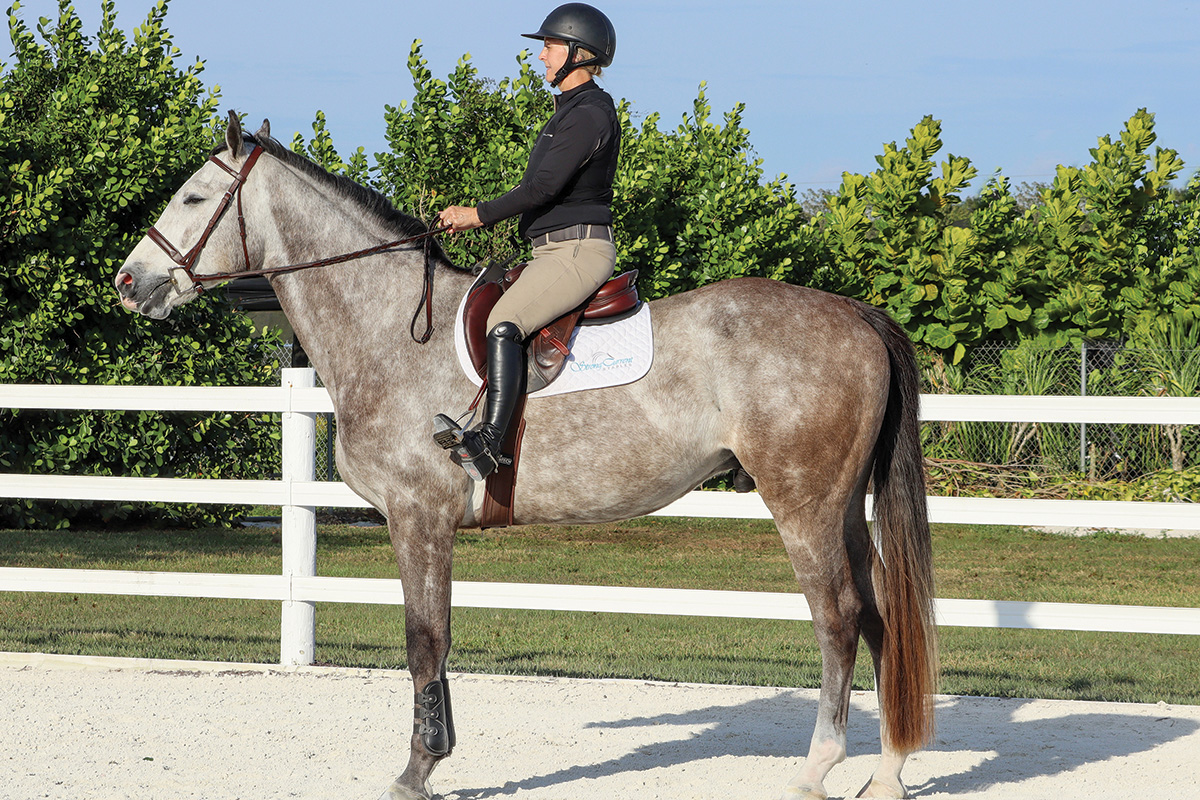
(548, 349)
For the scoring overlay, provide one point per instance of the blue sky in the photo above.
(1019, 85)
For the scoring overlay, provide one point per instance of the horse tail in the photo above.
(909, 670)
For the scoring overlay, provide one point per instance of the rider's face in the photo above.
(554, 56)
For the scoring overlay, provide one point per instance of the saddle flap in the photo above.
(475, 315)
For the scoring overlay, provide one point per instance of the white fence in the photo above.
(299, 589)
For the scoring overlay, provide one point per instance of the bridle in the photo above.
(186, 261)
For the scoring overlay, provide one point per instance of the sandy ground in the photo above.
(86, 728)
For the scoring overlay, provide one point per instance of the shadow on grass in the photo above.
(121, 641)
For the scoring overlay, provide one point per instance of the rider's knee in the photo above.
(507, 330)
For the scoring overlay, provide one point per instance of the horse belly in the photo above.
(613, 454)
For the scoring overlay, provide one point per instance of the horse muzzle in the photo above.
(146, 293)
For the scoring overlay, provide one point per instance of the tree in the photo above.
(1106, 250)
(1089, 230)
(94, 137)
(893, 244)
(690, 205)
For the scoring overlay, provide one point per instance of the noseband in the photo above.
(187, 261)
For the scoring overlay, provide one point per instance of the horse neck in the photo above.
(352, 319)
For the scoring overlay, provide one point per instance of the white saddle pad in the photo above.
(611, 354)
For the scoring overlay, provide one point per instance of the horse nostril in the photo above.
(126, 279)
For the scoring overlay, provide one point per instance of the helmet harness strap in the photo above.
(571, 65)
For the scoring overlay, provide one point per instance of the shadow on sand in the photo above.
(1010, 748)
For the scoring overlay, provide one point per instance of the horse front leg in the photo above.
(425, 556)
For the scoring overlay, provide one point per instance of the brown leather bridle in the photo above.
(187, 261)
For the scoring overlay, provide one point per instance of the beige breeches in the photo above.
(559, 277)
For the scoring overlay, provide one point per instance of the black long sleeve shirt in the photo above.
(570, 174)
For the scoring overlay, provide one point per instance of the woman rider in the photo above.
(565, 205)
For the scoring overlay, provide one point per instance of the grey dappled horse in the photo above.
(814, 396)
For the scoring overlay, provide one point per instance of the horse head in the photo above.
(159, 273)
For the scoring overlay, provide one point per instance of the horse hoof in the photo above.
(877, 788)
(397, 791)
(806, 792)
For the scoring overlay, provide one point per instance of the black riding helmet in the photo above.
(579, 24)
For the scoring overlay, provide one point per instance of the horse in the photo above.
(810, 395)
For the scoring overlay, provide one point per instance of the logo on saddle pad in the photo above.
(601, 360)
(598, 354)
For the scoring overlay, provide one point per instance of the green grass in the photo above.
(972, 562)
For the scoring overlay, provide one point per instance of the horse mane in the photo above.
(371, 201)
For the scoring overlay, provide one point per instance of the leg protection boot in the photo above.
(478, 450)
(434, 721)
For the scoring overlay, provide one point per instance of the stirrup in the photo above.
(446, 432)
(468, 449)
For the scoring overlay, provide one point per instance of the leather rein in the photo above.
(186, 261)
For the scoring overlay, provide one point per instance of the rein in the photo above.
(186, 261)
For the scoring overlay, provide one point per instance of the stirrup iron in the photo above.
(469, 449)
(446, 432)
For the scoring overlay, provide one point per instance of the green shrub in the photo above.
(1106, 251)
(94, 137)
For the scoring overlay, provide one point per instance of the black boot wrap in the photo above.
(433, 722)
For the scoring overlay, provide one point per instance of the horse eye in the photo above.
(192, 199)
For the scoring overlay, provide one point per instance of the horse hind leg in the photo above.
(818, 558)
(885, 781)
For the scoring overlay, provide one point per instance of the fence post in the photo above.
(299, 463)
(1083, 357)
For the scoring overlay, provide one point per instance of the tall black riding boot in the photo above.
(478, 450)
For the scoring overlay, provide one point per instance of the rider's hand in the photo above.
(460, 218)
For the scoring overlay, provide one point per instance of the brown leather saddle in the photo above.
(548, 349)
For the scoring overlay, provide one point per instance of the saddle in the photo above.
(548, 349)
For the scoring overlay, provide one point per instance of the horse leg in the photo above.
(424, 553)
(819, 561)
(885, 781)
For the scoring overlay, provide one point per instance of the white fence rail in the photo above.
(298, 588)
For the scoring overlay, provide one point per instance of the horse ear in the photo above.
(265, 131)
(233, 135)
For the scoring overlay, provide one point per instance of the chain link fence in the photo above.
(326, 429)
(1097, 451)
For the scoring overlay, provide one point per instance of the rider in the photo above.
(565, 204)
